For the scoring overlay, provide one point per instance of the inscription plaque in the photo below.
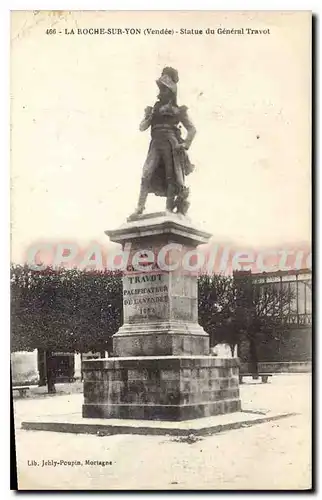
(145, 296)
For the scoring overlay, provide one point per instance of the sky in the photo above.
(77, 101)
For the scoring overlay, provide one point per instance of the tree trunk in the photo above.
(253, 362)
(50, 373)
(81, 370)
(41, 368)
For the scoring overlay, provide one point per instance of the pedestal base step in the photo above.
(161, 412)
(75, 424)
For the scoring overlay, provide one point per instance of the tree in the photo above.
(64, 309)
(233, 309)
(261, 313)
(216, 298)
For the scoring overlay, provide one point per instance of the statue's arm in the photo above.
(146, 122)
(189, 126)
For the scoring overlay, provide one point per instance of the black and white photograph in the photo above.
(161, 250)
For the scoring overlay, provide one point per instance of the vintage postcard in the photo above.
(161, 271)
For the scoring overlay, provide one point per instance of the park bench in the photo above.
(22, 389)
(263, 376)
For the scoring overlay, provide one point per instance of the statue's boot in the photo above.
(171, 191)
(182, 201)
(141, 203)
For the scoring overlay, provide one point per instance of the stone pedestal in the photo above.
(161, 368)
(160, 309)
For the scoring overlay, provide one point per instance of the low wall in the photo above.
(24, 367)
(280, 367)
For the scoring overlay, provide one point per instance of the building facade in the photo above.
(295, 344)
(298, 282)
(30, 367)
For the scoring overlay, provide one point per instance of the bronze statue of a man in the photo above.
(167, 162)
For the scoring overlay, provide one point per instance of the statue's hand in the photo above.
(148, 111)
(182, 145)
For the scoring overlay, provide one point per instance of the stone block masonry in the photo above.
(160, 388)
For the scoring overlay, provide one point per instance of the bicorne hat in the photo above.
(169, 78)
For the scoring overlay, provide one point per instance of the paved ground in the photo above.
(274, 455)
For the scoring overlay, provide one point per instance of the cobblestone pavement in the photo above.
(275, 455)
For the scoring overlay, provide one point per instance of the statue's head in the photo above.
(171, 73)
(167, 84)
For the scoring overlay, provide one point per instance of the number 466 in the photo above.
(50, 31)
